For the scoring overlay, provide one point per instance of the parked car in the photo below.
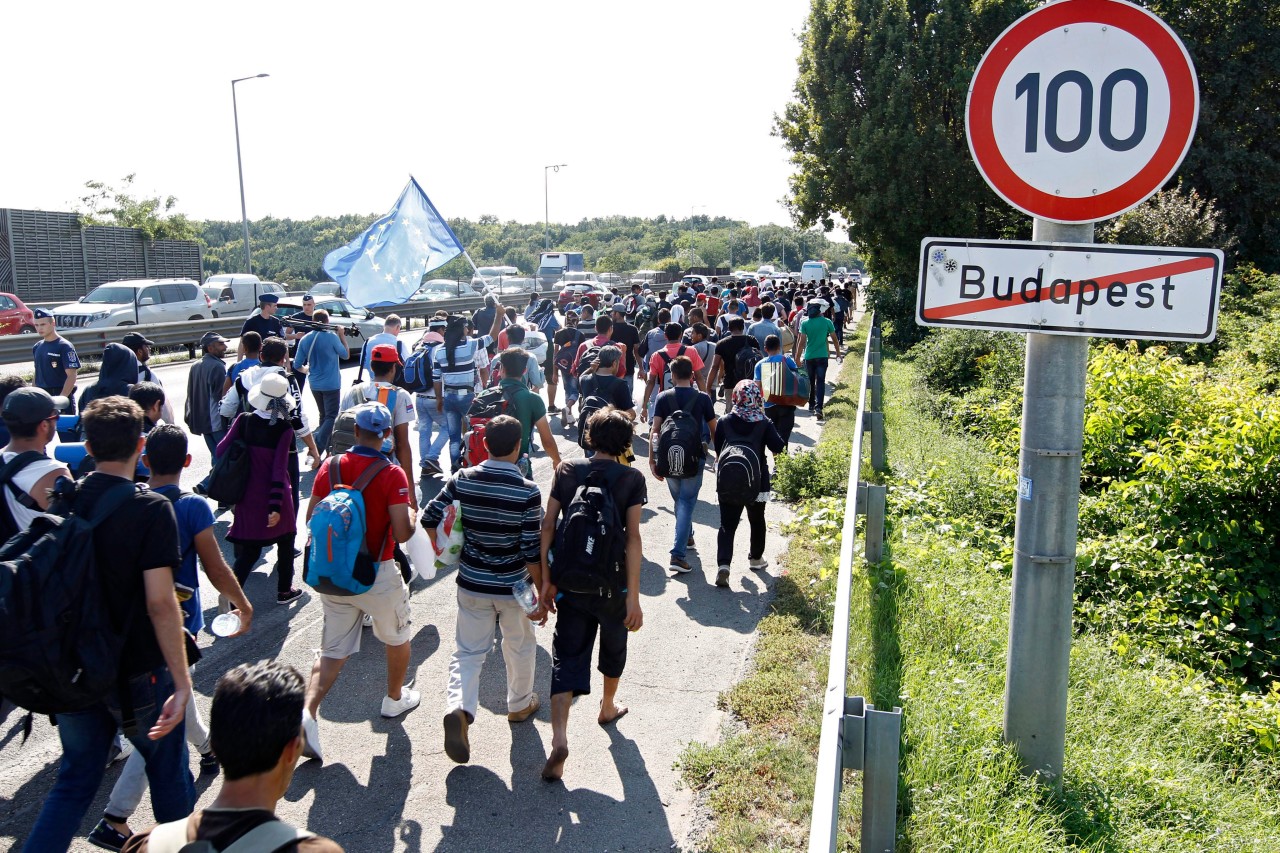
(236, 294)
(341, 313)
(579, 278)
(610, 279)
(325, 288)
(486, 276)
(126, 303)
(573, 293)
(510, 286)
(440, 288)
(691, 280)
(15, 317)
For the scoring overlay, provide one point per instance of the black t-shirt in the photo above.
(266, 326)
(611, 388)
(626, 336)
(628, 484)
(567, 336)
(139, 536)
(675, 398)
(727, 349)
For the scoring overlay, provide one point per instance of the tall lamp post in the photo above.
(244, 216)
(546, 204)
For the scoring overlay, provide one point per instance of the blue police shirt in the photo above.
(53, 359)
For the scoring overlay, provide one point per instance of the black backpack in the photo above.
(229, 477)
(587, 407)
(744, 363)
(679, 452)
(739, 468)
(588, 555)
(59, 651)
(587, 362)
(11, 469)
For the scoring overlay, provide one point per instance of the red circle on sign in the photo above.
(1183, 110)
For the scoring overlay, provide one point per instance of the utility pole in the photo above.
(244, 216)
(546, 205)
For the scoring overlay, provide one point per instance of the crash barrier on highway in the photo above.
(855, 735)
(16, 349)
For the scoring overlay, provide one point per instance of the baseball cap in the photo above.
(31, 405)
(372, 417)
(385, 354)
(133, 340)
(212, 338)
(619, 308)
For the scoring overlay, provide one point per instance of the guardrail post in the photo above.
(880, 780)
(874, 535)
(853, 734)
(874, 385)
(875, 424)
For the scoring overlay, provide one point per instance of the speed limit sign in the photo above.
(1082, 109)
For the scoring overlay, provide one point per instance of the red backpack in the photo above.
(486, 406)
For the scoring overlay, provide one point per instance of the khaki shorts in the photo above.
(387, 603)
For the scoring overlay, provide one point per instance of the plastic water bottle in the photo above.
(526, 596)
(225, 624)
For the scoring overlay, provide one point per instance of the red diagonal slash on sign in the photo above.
(991, 303)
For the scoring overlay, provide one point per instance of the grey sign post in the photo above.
(1066, 171)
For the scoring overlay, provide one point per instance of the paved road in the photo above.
(388, 786)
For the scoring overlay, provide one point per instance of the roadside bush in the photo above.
(819, 473)
(955, 360)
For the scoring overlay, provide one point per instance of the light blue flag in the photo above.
(385, 265)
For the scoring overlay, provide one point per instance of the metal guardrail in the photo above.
(16, 349)
(855, 735)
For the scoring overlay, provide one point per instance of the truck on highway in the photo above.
(553, 265)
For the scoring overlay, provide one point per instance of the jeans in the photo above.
(455, 413)
(327, 403)
(430, 420)
(730, 515)
(685, 494)
(211, 440)
(817, 370)
(86, 738)
(839, 321)
(477, 617)
(570, 384)
(132, 784)
(784, 420)
(247, 557)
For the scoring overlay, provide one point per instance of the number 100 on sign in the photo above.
(1082, 109)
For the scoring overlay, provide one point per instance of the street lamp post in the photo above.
(244, 216)
(546, 204)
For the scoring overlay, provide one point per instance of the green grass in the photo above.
(1145, 764)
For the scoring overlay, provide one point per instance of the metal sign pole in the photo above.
(1035, 699)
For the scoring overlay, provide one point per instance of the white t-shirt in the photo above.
(368, 392)
(26, 481)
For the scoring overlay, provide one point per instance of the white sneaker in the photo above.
(367, 620)
(311, 737)
(758, 565)
(408, 700)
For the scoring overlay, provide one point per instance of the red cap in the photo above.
(385, 353)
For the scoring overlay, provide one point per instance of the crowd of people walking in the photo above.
(721, 372)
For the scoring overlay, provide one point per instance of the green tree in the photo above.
(1173, 217)
(154, 217)
(877, 134)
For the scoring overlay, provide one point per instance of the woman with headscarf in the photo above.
(752, 299)
(268, 513)
(745, 425)
(118, 373)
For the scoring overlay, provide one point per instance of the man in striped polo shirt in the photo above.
(502, 519)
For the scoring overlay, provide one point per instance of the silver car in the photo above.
(341, 313)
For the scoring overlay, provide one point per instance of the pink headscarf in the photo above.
(753, 297)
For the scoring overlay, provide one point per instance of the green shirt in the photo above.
(816, 330)
(526, 407)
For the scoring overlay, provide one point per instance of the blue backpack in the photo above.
(339, 562)
(418, 369)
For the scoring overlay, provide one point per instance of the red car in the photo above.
(573, 293)
(15, 317)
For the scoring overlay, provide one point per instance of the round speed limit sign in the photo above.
(1082, 109)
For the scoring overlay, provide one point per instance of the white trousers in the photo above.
(477, 616)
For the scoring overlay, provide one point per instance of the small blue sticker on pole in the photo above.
(1024, 488)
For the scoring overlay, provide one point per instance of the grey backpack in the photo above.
(264, 838)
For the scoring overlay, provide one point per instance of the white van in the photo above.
(811, 272)
(237, 293)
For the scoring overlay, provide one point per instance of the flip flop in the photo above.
(614, 718)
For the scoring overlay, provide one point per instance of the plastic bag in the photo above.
(448, 539)
(422, 554)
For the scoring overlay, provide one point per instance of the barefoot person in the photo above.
(580, 615)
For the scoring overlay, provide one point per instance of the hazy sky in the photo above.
(655, 106)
